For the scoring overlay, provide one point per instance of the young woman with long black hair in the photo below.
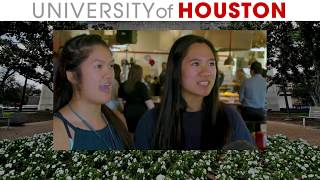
(190, 115)
(83, 84)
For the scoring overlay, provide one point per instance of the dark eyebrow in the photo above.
(102, 61)
(196, 59)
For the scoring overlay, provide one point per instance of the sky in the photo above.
(20, 79)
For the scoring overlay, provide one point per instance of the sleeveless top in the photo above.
(103, 139)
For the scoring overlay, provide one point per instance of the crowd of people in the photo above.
(96, 106)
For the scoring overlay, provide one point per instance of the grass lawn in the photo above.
(7, 114)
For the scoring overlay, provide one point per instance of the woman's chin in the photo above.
(105, 99)
(203, 93)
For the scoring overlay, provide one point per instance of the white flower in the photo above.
(253, 171)
(140, 170)
(95, 159)
(177, 172)
(303, 177)
(60, 171)
(160, 177)
(42, 172)
(6, 155)
(127, 155)
(1, 173)
(191, 171)
(204, 171)
(69, 178)
(266, 177)
(2, 151)
(8, 165)
(310, 175)
(313, 158)
(114, 177)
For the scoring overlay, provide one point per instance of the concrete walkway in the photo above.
(293, 131)
(27, 129)
(273, 127)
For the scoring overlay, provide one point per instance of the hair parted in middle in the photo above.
(169, 133)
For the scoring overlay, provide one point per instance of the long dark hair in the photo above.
(169, 133)
(73, 54)
(134, 76)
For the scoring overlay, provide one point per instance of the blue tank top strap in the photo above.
(65, 122)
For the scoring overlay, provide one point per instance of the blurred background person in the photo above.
(115, 103)
(162, 76)
(253, 95)
(125, 66)
(136, 96)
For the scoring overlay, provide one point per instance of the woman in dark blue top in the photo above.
(190, 115)
(83, 84)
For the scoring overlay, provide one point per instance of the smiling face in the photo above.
(198, 72)
(97, 75)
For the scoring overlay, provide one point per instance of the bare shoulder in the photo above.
(60, 136)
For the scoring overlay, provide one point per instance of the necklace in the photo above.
(88, 125)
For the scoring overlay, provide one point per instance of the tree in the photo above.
(31, 45)
(300, 92)
(310, 58)
(11, 92)
(283, 55)
(9, 60)
(26, 48)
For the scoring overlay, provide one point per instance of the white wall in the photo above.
(46, 99)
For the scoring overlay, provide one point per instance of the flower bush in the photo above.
(33, 157)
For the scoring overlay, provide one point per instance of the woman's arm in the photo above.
(149, 103)
(239, 127)
(144, 131)
(60, 136)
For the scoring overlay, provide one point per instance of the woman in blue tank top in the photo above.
(83, 84)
